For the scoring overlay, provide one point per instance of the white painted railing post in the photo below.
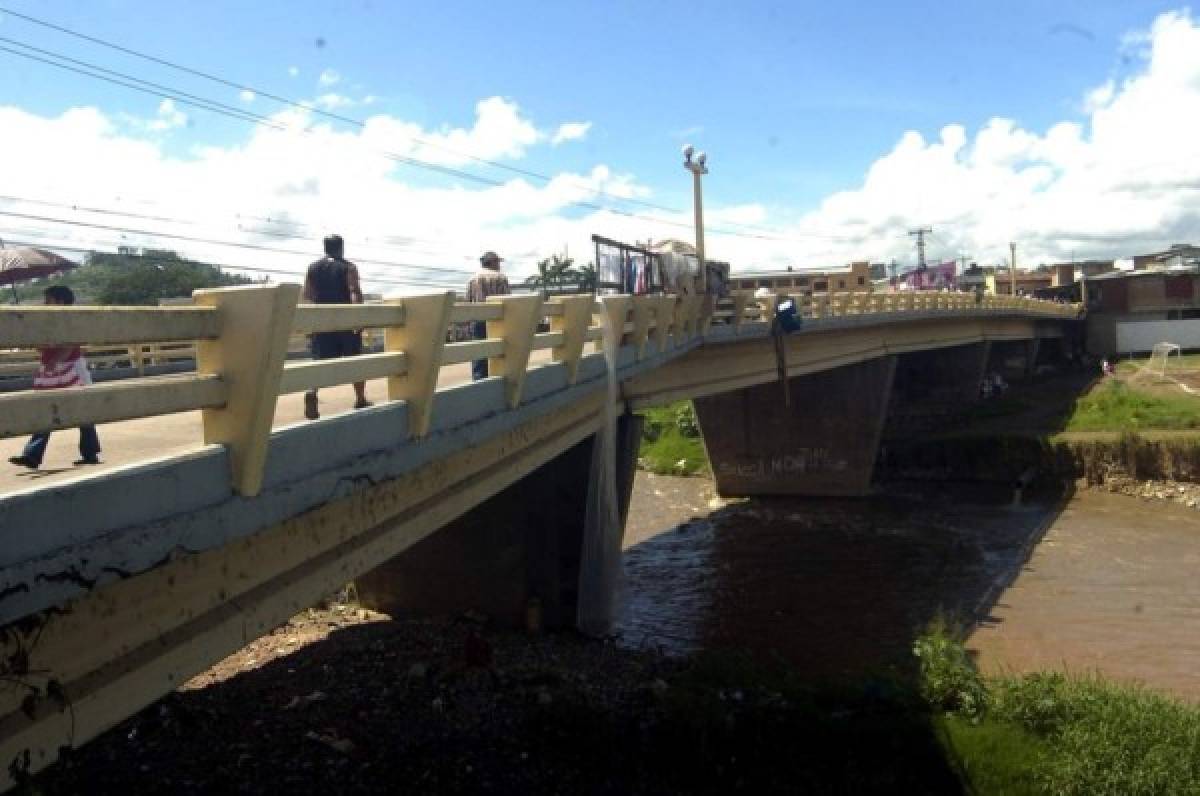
(740, 299)
(248, 356)
(421, 338)
(704, 319)
(696, 306)
(616, 312)
(516, 327)
(767, 305)
(643, 309)
(573, 325)
(664, 319)
(679, 324)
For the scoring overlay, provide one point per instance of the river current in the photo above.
(838, 587)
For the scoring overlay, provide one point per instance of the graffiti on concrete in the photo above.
(803, 460)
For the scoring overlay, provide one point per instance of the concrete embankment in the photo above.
(1162, 465)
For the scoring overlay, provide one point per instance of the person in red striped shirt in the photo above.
(59, 367)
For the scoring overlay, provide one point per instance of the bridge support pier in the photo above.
(1015, 360)
(932, 386)
(521, 546)
(824, 443)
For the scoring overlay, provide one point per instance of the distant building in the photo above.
(1130, 311)
(997, 280)
(1179, 255)
(854, 279)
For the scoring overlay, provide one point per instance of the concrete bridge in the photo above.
(506, 494)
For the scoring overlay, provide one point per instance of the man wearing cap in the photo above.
(487, 282)
(334, 280)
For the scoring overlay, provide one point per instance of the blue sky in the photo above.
(793, 101)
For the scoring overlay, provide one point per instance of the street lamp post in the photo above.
(1012, 263)
(698, 168)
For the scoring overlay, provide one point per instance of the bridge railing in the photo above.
(841, 304)
(241, 338)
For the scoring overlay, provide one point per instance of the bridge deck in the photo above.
(132, 441)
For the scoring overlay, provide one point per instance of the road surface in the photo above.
(133, 441)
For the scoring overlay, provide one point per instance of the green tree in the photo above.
(586, 278)
(135, 277)
(552, 273)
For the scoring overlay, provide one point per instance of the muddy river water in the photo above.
(1083, 582)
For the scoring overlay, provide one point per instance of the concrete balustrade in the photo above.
(240, 340)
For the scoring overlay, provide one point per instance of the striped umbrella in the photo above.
(26, 262)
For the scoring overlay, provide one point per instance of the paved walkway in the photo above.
(134, 441)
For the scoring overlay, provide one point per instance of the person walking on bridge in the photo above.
(486, 283)
(58, 367)
(334, 280)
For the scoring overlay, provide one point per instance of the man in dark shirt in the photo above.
(334, 280)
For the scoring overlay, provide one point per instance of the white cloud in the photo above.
(1126, 180)
(169, 117)
(247, 96)
(331, 178)
(499, 131)
(329, 77)
(293, 71)
(571, 131)
(332, 101)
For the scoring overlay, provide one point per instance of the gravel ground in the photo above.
(343, 701)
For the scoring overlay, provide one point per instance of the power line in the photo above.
(58, 246)
(213, 106)
(387, 241)
(212, 242)
(312, 108)
(189, 222)
(308, 107)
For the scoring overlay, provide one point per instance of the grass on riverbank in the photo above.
(1057, 733)
(671, 443)
(1118, 406)
(729, 722)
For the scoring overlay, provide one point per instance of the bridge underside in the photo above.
(818, 432)
(516, 555)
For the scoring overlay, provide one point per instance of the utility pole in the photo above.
(920, 233)
(1012, 263)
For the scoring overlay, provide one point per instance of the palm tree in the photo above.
(552, 272)
(586, 278)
